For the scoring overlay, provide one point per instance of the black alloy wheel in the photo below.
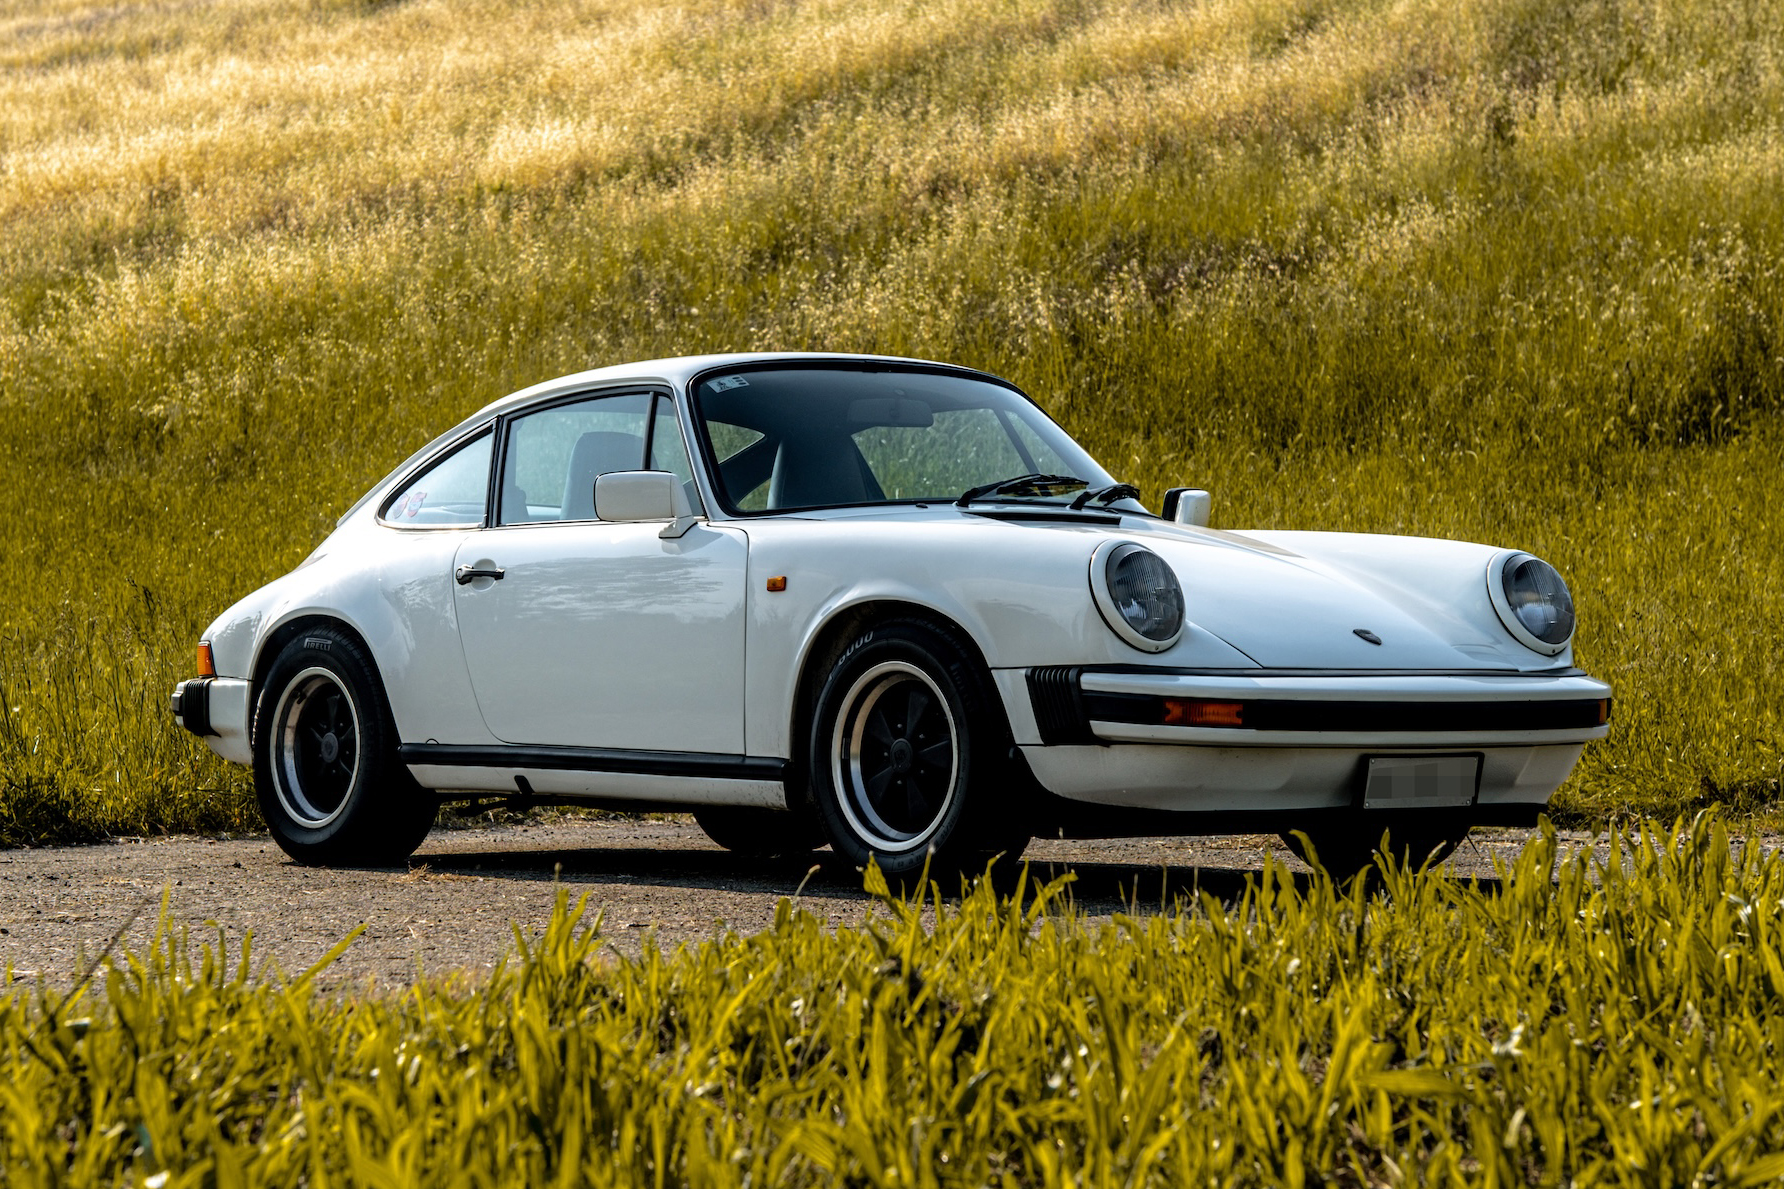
(316, 742)
(910, 755)
(896, 750)
(326, 770)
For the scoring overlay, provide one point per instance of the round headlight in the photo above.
(1138, 595)
(1532, 601)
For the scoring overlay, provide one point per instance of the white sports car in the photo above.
(882, 604)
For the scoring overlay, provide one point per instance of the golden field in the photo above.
(1498, 269)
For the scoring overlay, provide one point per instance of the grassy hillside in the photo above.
(1499, 269)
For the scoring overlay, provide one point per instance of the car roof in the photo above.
(675, 372)
(678, 371)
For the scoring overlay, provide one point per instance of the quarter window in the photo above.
(452, 493)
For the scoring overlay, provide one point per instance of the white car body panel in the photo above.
(230, 710)
(607, 636)
(568, 648)
(999, 582)
(1228, 779)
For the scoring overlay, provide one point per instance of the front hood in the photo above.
(1305, 600)
(1290, 600)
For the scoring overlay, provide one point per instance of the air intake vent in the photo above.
(1058, 705)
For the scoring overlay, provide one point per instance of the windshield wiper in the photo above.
(1106, 495)
(1035, 484)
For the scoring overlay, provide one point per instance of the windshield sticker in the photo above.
(726, 383)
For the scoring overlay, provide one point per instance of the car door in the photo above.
(597, 634)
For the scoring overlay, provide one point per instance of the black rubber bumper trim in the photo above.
(1058, 701)
(597, 759)
(1282, 714)
(191, 705)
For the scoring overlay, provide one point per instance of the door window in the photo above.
(450, 494)
(554, 456)
(669, 451)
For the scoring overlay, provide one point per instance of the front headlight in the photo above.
(1532, 601)
(1137, 594)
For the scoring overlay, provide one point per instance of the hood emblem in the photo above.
(1368, 635)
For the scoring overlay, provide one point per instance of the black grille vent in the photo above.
(1058, 705)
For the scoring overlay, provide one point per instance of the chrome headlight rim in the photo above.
(1105, 556)
(1499, 569)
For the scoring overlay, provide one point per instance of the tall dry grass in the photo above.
(1498, 269)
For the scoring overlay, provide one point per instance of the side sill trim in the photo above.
(597, 759)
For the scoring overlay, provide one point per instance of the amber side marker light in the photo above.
(1195, 712)
(207, 664)
(1604, 711)
(777, 584)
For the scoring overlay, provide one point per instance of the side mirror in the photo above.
(627, 496)
(1188, 505)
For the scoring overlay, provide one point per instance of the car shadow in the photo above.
(1095, 888)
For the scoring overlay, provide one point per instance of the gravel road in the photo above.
(454, 907)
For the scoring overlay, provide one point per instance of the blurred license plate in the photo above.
(1420, 782)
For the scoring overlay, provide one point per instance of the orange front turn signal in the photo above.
(1194, 712)
(777, 583)
(207, 664)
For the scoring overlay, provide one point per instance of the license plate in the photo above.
(1420, 782)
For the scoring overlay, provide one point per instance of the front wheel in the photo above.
(910, 755)
(326, 770)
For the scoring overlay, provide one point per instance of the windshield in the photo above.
(823, 437)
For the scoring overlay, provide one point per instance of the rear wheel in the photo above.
(910, 755)
(767, 833)
(326, 770)
(1345, 850)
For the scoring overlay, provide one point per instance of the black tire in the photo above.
(910, 756)
(330, 783)
(1345, 851)
(763, 833)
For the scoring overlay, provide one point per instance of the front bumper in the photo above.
(216, 710)
(1421, 710)
(1264, 742)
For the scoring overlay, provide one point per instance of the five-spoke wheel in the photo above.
(909, 758)
(316, 744)
(329, 781)
(895, 755)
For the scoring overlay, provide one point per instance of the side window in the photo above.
(554, 456)
(669, 450)
(450, 494)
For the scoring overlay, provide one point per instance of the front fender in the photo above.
(1021, 594)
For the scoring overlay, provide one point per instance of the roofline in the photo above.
(677, 371)
(674, 372)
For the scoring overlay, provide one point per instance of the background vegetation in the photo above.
(1610, 1024)
(1498, 269)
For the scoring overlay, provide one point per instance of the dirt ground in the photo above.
(456, 904)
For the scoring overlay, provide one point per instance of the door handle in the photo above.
(464, 574)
